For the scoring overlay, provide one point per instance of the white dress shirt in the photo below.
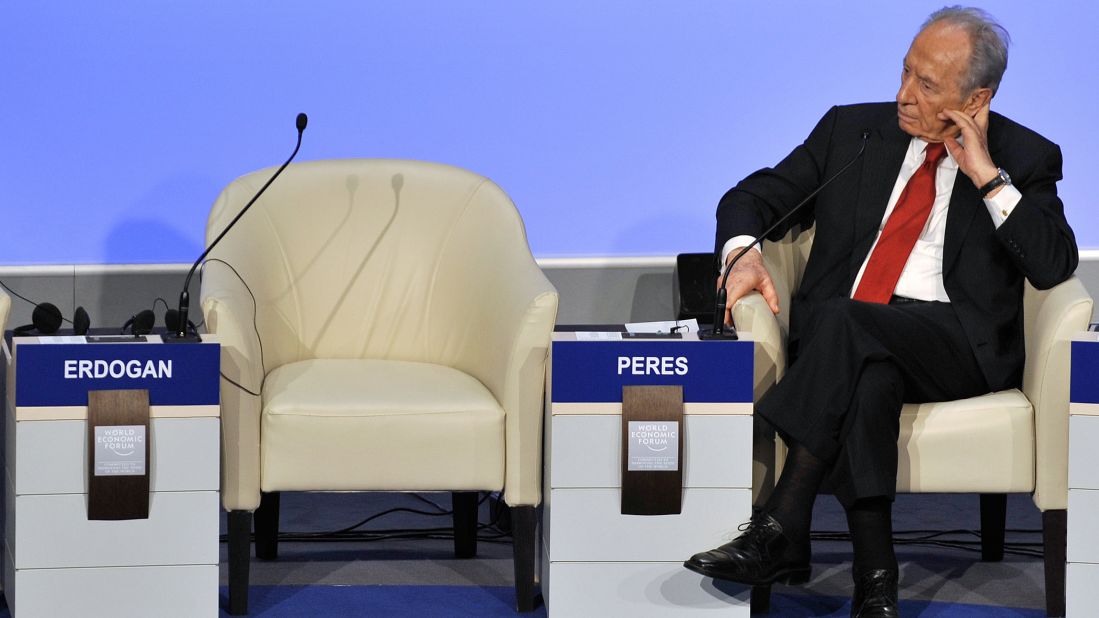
(922, 277)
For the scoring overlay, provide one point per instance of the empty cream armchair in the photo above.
(1013, 441)
(384, 328)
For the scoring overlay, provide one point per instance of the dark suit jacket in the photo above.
(983, 267)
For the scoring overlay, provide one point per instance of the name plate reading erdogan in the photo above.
(118, 452)
(652, 470)
(63, 374)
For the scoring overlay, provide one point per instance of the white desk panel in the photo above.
(120, 592)
(1083, 526)
(53, 455)
(586, 451)
(1082, 580)
(1083, 452)
(53, 531)
(588, 526)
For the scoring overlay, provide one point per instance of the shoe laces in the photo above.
(752, 527)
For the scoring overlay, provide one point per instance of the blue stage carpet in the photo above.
(487, 602)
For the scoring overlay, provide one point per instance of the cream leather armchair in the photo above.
(5, 308)
(384, 328)
(1013, 441)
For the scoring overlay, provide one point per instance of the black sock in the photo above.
(791, 503)
(871, 523)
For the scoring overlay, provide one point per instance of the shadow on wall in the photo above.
(152, 232)
(652, 294)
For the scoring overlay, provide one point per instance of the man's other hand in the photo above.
(748, 274)
(972, 156)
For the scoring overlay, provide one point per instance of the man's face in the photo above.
(931, 81)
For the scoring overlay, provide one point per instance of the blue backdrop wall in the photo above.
(614, 125)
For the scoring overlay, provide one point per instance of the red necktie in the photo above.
(902, 229)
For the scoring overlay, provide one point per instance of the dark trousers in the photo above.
(857, 364)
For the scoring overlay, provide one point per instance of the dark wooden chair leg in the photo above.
(240, 529)
(761, 600)
(1054, 528)
(465, 523)
(524, 536)
(993, 523)
(267, 526)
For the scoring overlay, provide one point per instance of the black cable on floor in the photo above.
(352, 534)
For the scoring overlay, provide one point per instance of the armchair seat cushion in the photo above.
(982, 444)
(367, 424)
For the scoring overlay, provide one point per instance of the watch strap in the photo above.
(1000, 180)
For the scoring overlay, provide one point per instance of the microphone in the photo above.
(719, 331)
(182, 332)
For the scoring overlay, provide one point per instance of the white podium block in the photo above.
(57, 562)
(1082, 552)
(597, 561)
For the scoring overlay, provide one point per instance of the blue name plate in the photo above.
(62, 374)
(596, 371)
(1084, 384)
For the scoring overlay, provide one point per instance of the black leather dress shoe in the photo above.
(760, 556)
(875, 594)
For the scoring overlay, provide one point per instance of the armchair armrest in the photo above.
(510, 359)
(752, 315)
(1051, 318)
(228, 312)
(5, 307)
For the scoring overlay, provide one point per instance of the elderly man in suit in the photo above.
(913, 290)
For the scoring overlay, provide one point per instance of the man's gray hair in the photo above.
(988, 58)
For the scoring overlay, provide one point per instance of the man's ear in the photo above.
(976, 100)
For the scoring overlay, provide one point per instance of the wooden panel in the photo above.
(79, 413)
(587, 526)
(652, 492)
(118, 496)
(585, 451)
(53, 532)
(52, 456)
(640, 589)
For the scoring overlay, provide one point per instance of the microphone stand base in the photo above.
(728, 334)
(175, 338)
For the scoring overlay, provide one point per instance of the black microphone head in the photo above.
(302, 121)
(143, 322)
(46, 318)
(171, 320)
(81, 321)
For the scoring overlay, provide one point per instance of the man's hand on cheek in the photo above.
(973, 158)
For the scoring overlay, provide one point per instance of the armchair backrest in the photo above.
(369, 258)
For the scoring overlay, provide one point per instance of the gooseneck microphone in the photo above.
(719, 331)
(182, 332)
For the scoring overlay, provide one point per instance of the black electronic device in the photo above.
(693, 288)
(46, 319)
(141, 323)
